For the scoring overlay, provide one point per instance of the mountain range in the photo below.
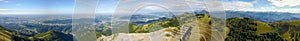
(264, 16)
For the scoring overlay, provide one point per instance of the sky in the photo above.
(109, 6)
(35, 6)
(264, 5)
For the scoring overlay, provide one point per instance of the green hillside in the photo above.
(295, 22)
(6, 35)
(290, 30)
(134, 28)
(246, 29)
(53, 36)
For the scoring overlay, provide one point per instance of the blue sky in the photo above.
(35, 6)
(109, 6)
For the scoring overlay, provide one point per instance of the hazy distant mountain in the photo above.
(261, 16)
(66, 21)
(264, 16)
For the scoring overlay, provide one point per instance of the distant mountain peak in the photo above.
(204, 12)
(201, 12)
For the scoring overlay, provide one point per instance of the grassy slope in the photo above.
(295, 22)
(292, 32)
(263, 28)
(53, 36)
(204, 27)
(5, 35)
(134, 28)
(289, 29)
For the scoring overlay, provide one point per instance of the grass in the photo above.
(5, 35)
(134, 28)
(295, 22)
(46, 35)
(168, 35)
(263, 28)
(205, 29)
(227, 30)
(287, 36)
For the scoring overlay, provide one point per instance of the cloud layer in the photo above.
(282, 3)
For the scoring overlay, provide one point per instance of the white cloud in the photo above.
(4, 9)
(128, 0)
(282, 3)
(243, 6)
(153, 8)
(238, 5)
(196, 4)
(292, 10)
(266, 9)
(248, 6)
(219, 5)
